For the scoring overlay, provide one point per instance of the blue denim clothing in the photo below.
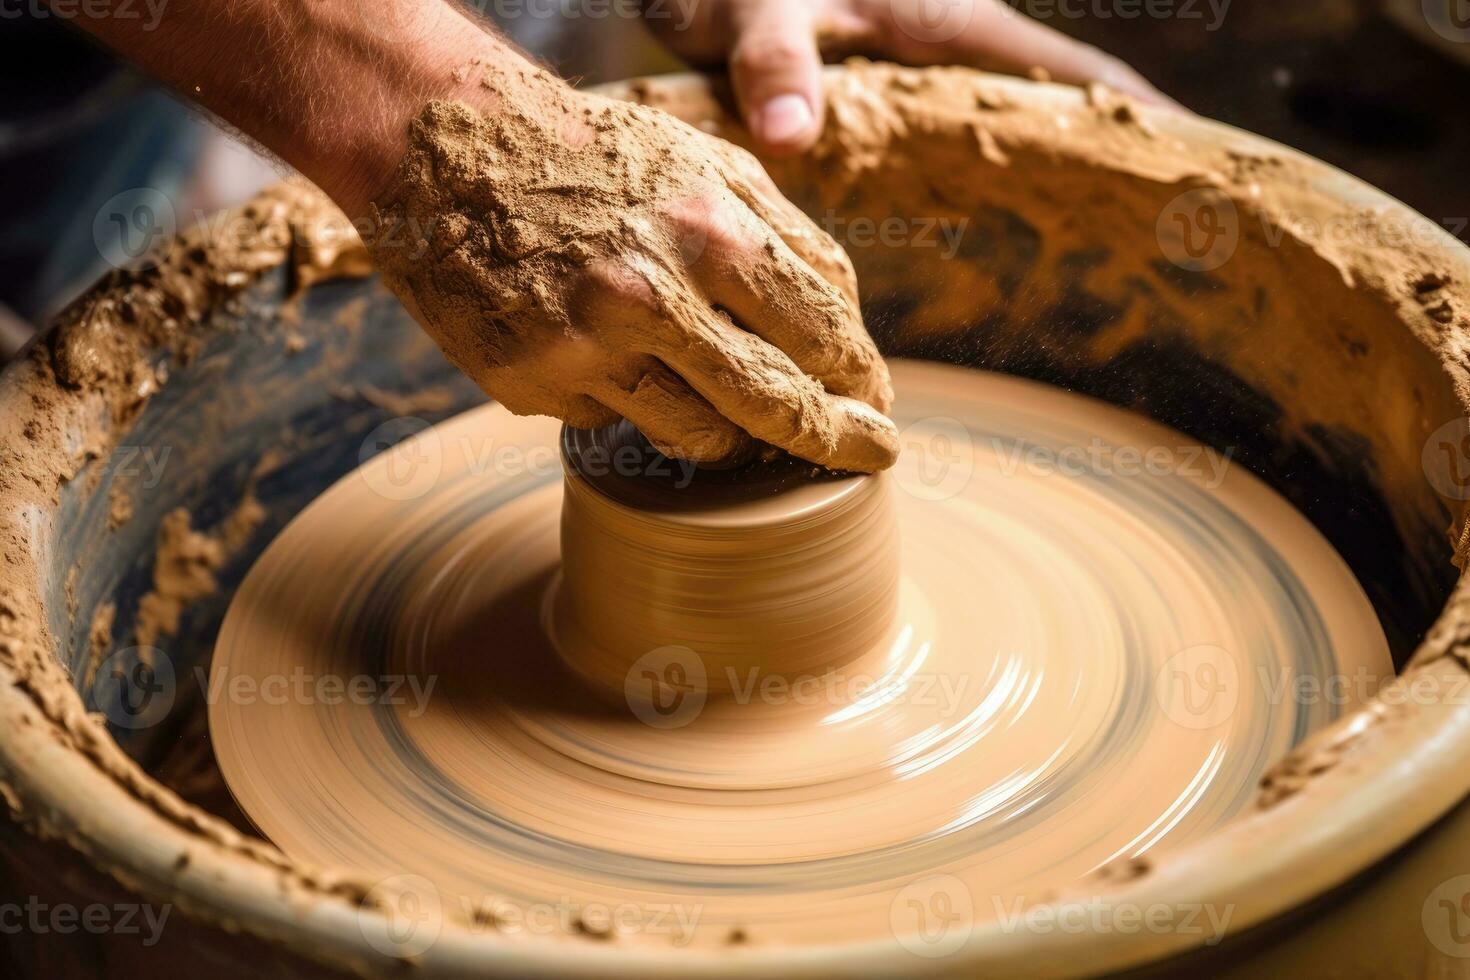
(76, 128)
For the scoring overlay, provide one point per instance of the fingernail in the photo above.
(785, 119)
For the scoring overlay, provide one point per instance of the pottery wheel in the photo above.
(1097, 628)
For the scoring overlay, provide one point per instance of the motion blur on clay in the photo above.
(654, 488)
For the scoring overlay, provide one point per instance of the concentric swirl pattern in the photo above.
(1103, 639)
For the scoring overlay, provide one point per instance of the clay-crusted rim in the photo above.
(1347, 798)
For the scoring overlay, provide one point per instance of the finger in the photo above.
(521, 394)
(776, 70)
(582, 412)
(991, 35)
(750, 182)
(753, 275)
(859, 369)
(672, 415)
(780, 300)
(654, 309)
(755, 385)
(812, 324)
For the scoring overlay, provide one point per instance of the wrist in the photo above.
(330, 86)
(455, 61)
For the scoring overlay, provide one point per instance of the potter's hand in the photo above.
(774, 49)
(577, 257)
(594, 259)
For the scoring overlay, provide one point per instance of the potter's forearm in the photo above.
(596, 260)
(328, 85)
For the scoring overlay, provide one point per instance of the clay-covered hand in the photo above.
(774, 49)
(591, 259)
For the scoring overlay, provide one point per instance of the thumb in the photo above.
(777, 73)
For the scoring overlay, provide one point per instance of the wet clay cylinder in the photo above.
(776, 566)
